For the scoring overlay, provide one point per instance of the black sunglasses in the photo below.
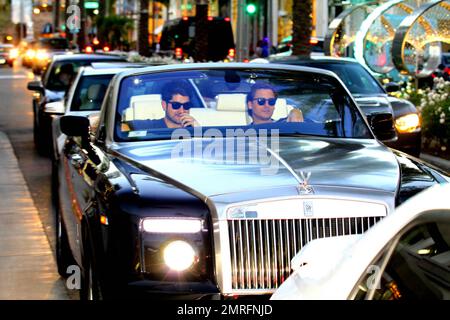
(262, 101)
(178, 105)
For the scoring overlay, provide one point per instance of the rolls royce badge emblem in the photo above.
(304, 187)
(308, 208)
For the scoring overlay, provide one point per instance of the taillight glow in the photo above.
(89, 49)
(178, 52)
(231, 53)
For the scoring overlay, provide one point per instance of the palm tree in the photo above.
(302, 25)
(143, 47)
(201, 31)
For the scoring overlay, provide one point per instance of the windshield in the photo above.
(151, 106)
(90, 92)
(58, 68)
(357, 79)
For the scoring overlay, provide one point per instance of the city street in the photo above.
(27, 223)
(16, 122)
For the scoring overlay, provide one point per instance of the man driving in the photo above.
(261, 102)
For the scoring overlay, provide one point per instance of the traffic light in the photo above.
(250, 8)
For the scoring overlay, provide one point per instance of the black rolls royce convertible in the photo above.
(204, 180)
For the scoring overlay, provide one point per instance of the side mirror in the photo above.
(392, 87)
(36, 86)
(56, 108)
(74, 126)
(382, 125)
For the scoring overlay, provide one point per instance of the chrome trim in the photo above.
(276, 255)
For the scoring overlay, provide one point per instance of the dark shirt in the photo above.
(273, 121)
(147, 124)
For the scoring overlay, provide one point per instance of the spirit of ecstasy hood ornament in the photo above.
(304, 187)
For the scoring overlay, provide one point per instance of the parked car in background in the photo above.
(52, 88)
(28, 53)
(45, 49)
(372, 98)
(217, 207)
(406, 256)
(84, 97)
(284, 48)
(8, 54)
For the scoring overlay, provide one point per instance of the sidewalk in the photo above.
(27, 266)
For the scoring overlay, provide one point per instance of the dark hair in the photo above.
(260, 86)
(67, 68)
(173, 88)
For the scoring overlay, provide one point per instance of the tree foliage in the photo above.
(114, 30)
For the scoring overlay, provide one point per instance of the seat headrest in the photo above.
(144, 107)
(96, 92)
(231, 102)
(281, 110)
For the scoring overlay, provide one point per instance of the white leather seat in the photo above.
(232, 109)
(206, 117)
(144, 107)
(282, 109)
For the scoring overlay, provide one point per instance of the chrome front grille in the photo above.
(261, 250)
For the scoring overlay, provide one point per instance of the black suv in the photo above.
(178, 37)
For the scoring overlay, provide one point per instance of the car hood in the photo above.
(402, 107)
(374, 104)
(355, 163)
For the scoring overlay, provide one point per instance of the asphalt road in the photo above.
(16, 120)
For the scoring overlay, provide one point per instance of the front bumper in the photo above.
(173, 290)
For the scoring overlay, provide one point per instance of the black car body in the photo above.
(372, 98)
(180, 212)
(49, 89)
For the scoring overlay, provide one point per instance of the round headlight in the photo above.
(179, 255)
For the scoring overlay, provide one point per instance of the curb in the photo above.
(438, 162)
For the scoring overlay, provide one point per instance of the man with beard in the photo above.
(176, 102)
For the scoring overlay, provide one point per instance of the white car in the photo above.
(406, 256)
(84, 97)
